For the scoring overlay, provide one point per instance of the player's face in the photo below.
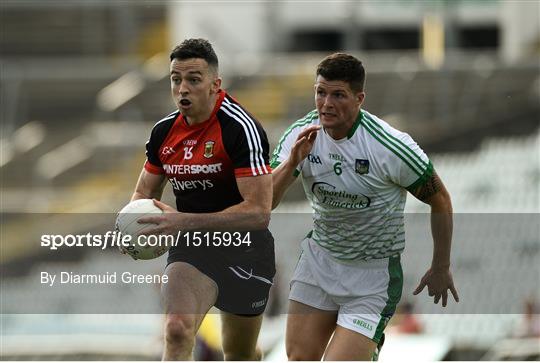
(337, 104)
(194, 85)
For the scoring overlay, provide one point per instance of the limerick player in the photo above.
(356, 170)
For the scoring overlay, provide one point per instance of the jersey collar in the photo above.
(355, 125)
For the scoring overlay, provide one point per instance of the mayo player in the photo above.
(215, 155)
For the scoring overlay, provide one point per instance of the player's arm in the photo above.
(253, 213)
(282, 178)
(284, 175)
(152, 179)
(434, 193)
(438, 279)
(149, 186)
(249, 155)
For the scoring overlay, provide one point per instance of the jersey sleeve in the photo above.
(249, 151)
(288, 139)
(412, 166)
(157, 136)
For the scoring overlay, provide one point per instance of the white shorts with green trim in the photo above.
(364, 294)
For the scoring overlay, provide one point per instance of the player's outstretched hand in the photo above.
(438, 283)
(304, 143)
(168, 223)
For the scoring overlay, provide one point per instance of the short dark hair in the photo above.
(343, 67)
(195, 48)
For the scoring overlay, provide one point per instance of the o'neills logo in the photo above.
(329, 195)
(258, 304)
(363, 324)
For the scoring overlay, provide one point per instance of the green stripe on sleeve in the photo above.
(422, 179)
(377, 136)
(400, 145)
(396, 148)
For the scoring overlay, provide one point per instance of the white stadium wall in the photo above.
(232, 28)
(240, 28)
(520, 23)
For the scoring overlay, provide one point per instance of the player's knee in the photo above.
(238, 356)
(236, 353)
(302, 356)
(179, 330)
(296, 352)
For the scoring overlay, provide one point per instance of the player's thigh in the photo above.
(240, 333)
(308, 331)
(188, 293)
(350, 346)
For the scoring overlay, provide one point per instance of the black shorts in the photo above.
(243, 274)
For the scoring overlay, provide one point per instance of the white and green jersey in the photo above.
(357, 185)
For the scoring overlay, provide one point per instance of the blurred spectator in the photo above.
(208, 340)
(529, 326)
(405, 321)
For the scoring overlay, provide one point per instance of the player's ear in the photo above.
(216, 85)
(360, 96)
